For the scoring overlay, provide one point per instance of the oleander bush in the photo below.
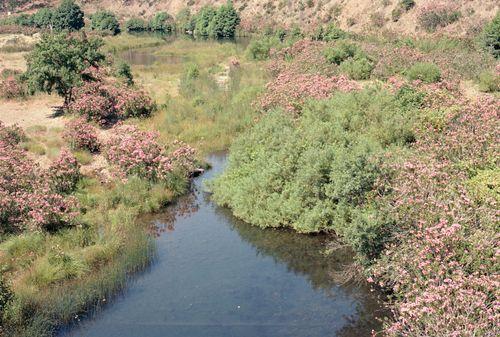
(81, 135)
(64, 172)
(29, 198)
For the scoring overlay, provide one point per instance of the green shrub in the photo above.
(123, 71)
(258, 49)
(329, 33)
(161, 22)
(136, 25)
(425, 72)
(6, 296)
(184, 21)
(105, 21)
(68, 16)
(43, 18)
(317, 172)
(407, 4)
(489, 82)
(341, 52)
(357, 68)
(491, 36)
(218, 22)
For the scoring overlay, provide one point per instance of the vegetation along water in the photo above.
(241, 168)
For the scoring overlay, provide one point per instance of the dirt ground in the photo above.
(34, 111)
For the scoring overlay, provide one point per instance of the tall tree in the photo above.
(68, 16)
(58, 61)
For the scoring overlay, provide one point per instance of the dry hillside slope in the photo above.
(355, 15)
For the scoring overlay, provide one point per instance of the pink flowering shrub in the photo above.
(81, 135)
(27, 198)
(136, 152)
(64, 172)
(443, 263)
(11, 88)
(438, 14)
(107, 103)
(289, 89)
(12, 134)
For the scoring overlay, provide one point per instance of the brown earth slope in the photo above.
(355, 15)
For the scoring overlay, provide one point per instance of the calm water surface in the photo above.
(216, 276)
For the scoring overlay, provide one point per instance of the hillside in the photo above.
(357, 16)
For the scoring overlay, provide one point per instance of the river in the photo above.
(214, 275)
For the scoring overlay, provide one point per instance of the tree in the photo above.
(135, 24)
(161, 22)
(225, 21)
(105, 21)
(58, 61)
(185, 21)
(68, 16)
(43, 18)
(491, 36)
(203, 20)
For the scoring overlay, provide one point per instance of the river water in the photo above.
(217, 276)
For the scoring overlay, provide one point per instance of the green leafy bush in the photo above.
(357, 68)
(489, 82)
(123, 71)
(425, 72)
(136, 25)
(161, 22)
(341, 52)
(329, 33)
(184, 21)
(105, 21)
(218, 22)
(318, 172)
(491, 36)
(68, 16)
(43, 18)
(258, 49)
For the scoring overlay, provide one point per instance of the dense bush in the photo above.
(442, 265)
(184, 21)
(491, 36)
(328, 33)
(358, 67)
(105, 21)
(489, 82)
(11, 87)
(341, 52)
(425, 72)
(123, 71)
(43, 18)
(136, 152)
(136, 25)
(161, 22)
(28, 197)
(290, 90)
(80, 135)
(320, 171)
(437, 15)
(68, 16)
(259, 49)
(217, 22)
(107, 103)
(64, 172)
(58, 61)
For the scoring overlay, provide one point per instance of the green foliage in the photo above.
(218, 22)
(329, 33)
(318, 172)
(43, 18)
(341, 52)
(161, 22)
(57, 61)
(184, 21)
(123, 71)
(425, 72)
(136, 25)
(68, 16)
(407, 4)
(358, 67)
(6, 296)
(258, 49)
(105, 21)
(491, 36)
(489, 82)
